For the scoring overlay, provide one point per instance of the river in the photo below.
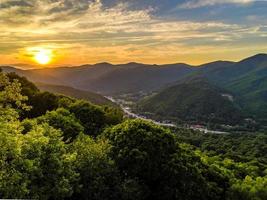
(128, 112)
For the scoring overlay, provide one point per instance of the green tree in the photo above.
(27, 88)
(41, 103)
(34, 165)
(113, 115)
(12, 181)
(99, 177)
(249, 189)
(46, 164)
(65, 121)
(149, 153)
(91, 117)
(10, 94)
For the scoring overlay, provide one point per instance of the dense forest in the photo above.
(193, 101)
(57, 147)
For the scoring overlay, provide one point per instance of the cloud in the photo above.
(90, 21)
(81, 31)
(201, 3)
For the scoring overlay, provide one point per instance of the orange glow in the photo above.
(43, 56)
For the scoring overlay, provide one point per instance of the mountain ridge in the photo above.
(256, 56)
(75, 93)
(245, 78)
(193, 101)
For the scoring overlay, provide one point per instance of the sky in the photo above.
(75, 32)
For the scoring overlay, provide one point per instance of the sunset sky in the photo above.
(74, 32)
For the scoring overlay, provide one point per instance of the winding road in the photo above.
(128, 112)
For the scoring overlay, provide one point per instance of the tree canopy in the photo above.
(56, 147)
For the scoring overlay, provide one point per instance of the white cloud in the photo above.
(100, 23)
(118, 33)
(201, 3)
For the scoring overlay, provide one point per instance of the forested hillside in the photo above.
(56, 147)
(246, 78)
(73, 92)
(193, 101)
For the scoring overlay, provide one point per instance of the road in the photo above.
(128, 112)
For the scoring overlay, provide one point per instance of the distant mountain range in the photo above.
(109, 79)
(247, 79)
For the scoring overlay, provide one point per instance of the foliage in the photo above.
(113, 115)
(150, 154)
(65, 121)
(239, 147)
(10, 93)
(195, 101)
(39, 107)
(240, 157)
(94, 118)
(249, 188)
(72, 149)
(35, 165)
(27, 88)
(99, 177)
(75, 93)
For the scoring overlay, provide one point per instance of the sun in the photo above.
(43, 56)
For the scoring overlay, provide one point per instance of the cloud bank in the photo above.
(82, 31)
(201, 3)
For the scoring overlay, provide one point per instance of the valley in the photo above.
(133, 99)
(224, 96)
(129, 113)
(197, 133)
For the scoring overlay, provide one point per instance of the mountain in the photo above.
(133, 78)
(253, 90)
(193, 101)
(222, 73)
(106, 78)
(110, 79)
(246, 79)
(8, 69)
(252, 86)
(75, 93)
